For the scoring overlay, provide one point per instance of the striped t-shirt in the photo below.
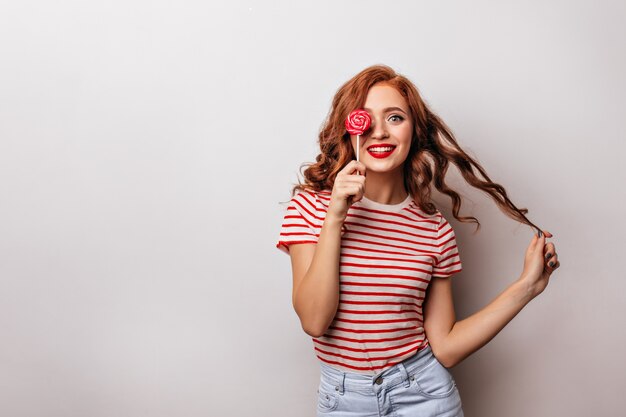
(388, 255)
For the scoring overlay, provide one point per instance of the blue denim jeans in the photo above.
(419, 386)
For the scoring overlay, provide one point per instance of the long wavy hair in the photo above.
(433, 148)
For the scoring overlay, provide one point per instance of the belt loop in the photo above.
(405, 375)
(340, 388)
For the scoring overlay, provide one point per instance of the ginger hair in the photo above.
(433, 148)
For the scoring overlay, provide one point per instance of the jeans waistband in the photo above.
(398, 373)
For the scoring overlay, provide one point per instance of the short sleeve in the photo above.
(302, 221)
(448, 260)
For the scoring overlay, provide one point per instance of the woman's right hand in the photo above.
(347, 189)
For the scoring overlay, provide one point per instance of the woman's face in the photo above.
(391, 128)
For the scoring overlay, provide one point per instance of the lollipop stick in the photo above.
(357, 150)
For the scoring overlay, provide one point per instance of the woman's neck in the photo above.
(385, 188)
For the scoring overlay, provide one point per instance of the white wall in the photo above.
(145, 145)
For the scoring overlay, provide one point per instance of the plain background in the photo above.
(145, 147)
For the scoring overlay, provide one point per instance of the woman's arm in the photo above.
(451, 340)
(315, 269)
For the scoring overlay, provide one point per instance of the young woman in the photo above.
(372, 256)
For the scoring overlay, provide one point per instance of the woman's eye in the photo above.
(396, 118)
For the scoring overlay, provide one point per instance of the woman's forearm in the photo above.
(317, 296)
(472, 333)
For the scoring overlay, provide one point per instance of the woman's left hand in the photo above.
(540, 261)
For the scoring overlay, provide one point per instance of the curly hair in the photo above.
(433, 148)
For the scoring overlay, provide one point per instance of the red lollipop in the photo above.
(358, 122)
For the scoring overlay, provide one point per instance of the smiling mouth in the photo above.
(381, 149)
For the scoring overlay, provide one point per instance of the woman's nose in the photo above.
(378, 129)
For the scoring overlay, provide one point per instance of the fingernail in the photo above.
(551, 264)
(548, 256)
(539, 234)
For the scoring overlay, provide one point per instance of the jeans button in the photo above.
(379, 380)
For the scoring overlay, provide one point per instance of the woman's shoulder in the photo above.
(432, 221)
(318, 199)
(440, 221)
(312, 191)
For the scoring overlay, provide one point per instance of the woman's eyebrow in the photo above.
(388, 109)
